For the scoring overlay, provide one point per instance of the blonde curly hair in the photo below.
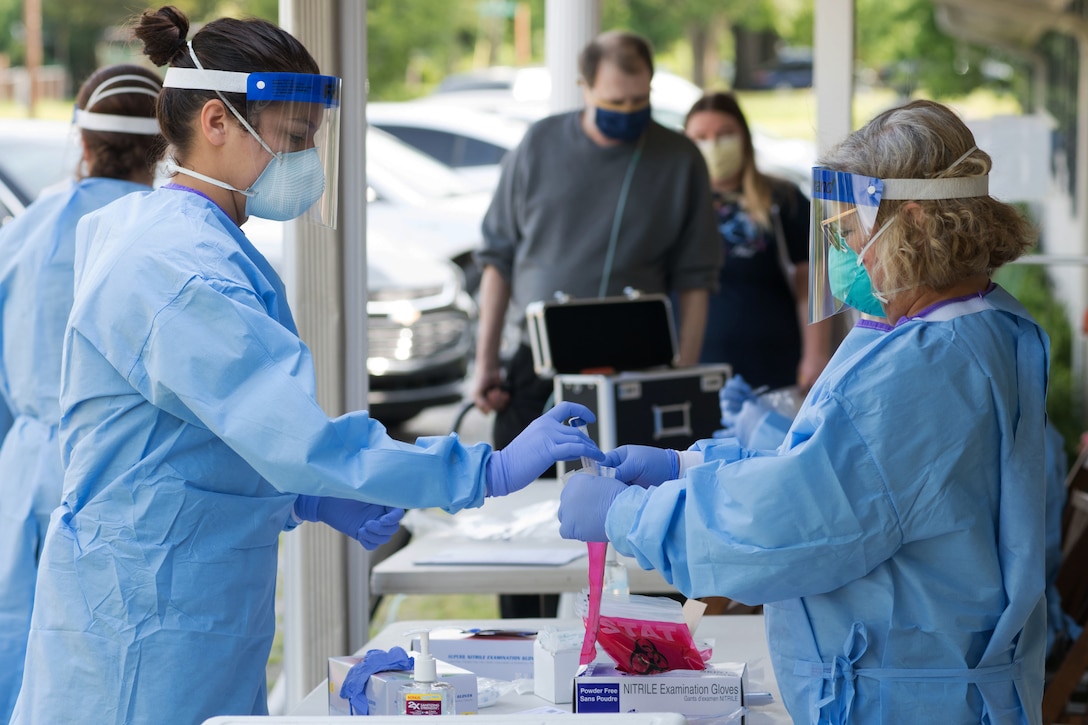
(931, 243)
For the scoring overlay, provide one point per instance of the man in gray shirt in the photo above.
(591, 202)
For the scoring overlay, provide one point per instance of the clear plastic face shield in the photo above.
(295, 117)
(844, 212)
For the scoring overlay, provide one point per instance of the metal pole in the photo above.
(32, 17)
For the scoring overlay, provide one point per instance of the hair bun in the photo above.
(163, 33)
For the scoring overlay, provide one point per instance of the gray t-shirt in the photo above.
(549, 223)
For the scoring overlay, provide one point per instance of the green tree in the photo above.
(702, 25)
(901, 38)
(73, 29)
(411, 44)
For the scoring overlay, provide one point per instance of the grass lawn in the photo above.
(792, 113)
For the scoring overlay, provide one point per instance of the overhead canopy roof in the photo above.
(1009, 23)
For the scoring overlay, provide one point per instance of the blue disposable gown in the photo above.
(896, 538)
(36, 253)
(1061, 628)
(189, 422)
(769, 432)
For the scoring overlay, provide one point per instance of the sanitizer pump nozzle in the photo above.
(425, 670)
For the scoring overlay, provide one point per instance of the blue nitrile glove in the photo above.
(643, 465)
(732, 397)
(583, 506)
(354, 688)
(370, 524)
(546, 441)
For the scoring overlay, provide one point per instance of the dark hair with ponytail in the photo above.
(117, 155)
(246, 46)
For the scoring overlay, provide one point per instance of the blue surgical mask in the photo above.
(288, 186)
(850, 282)
(622, 125)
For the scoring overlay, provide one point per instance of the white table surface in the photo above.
(525, 519)
(738, 638)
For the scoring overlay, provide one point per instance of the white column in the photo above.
(833, 86)
(326, 575)
(833, 70)
(568, 26)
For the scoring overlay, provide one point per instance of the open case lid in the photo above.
(608, 334)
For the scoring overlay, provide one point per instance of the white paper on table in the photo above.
(502, 556)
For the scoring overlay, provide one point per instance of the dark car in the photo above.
(791, 68)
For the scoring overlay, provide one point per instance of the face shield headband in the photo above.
(844, 211)
(299, 114)
(88, 120)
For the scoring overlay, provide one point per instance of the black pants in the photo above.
(528, 396)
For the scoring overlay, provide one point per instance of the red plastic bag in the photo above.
(643, 647)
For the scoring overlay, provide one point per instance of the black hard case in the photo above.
(613, 334)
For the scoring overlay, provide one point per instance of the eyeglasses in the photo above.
(835, 231)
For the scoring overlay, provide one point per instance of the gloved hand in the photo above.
(370, 524)
(732, 397)
(758, 426)
(583, 506)
(546, 441)
(644, 466)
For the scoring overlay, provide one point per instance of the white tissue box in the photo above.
(716, 691)
(553, 672)
(382, 688)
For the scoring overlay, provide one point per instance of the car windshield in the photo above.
(399, 172)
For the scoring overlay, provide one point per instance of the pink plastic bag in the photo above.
(643, 647)
(597, 551)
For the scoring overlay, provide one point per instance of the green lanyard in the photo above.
(618, 218)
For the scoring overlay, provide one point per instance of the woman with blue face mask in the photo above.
(190, 433)
(896, 537)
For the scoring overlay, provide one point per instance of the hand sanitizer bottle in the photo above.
(425, 695)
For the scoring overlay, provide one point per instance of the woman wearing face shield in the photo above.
(758, 319)
(118, 137)
(896, 537)
(190, 432)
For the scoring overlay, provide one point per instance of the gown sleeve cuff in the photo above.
(621, 517)
(689, 459)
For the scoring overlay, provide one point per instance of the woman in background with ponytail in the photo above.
(115, 116)
(758, 320)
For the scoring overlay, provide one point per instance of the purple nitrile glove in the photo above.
(644, 466)
(732, 397)
(370, 524)
(546, 441)
(354, 687)
(583, 506)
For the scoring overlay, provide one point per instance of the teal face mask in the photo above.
(849, 280)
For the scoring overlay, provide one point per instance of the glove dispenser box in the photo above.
(669, 408)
